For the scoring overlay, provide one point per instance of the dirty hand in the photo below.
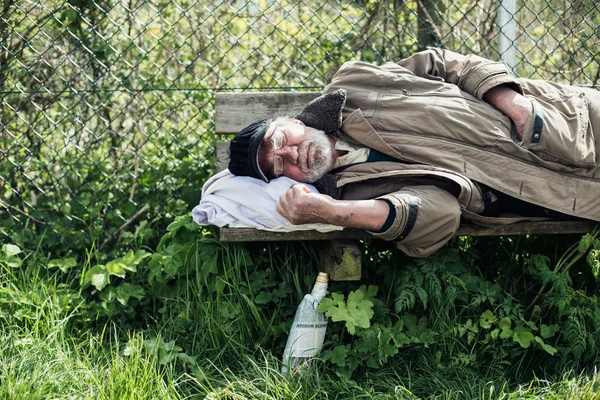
(299, 206)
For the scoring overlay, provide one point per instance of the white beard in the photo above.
(321, 155)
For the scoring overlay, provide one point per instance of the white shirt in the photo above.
(355, 154)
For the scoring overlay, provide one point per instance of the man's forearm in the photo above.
(364, 214)
(299, 206)
(516, 106)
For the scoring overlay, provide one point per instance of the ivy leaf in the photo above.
(523, 336)
(549, 331)
(545, 346)
(64, 264)
(487, 319)
(97, 276)
(126, 290)
(11, 250)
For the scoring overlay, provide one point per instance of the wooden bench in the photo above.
(340, 256)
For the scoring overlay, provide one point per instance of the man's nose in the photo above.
(289, 153)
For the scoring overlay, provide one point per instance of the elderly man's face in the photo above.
(295, 150)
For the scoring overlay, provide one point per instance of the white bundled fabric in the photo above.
(244, 202)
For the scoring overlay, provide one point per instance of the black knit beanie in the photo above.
(243, 150)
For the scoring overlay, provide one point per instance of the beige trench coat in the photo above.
(428, 110)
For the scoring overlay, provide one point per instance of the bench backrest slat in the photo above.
(234, 111)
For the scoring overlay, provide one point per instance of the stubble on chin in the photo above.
(321, 155)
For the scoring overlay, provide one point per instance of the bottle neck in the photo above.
(319, 290)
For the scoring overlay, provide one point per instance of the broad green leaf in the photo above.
(523, 336)
(504, 323)
(585, 243)
(155, 267)
(126, 290)
(549, 331)
(109, 294)
(13, 262)
(116, 268)
(263, 297)
(546, 346)
(64, 264)
(487, 319)
(209, 264)
(339, 355)
(11, 250)
(357, 311)
(97, 276)
(494, 333)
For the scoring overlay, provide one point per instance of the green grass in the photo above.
(52, 347)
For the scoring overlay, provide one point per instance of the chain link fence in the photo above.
(107, 106)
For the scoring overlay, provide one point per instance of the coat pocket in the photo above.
(560, 131)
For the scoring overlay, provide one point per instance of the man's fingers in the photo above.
(301, 187)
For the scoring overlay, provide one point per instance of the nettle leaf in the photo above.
(64, 264)
(126, 290)
(551, 350)
(97, 276)
(487, 319)
(549, 331)
(11, 250)
(523, 336)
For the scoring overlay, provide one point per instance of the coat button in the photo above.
(536, 135)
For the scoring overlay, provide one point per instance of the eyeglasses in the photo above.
(277, 142)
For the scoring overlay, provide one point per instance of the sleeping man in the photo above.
(406, 149)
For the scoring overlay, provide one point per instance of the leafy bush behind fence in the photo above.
(107, 106)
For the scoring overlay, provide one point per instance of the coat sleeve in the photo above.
(472, 74)
(426, 218)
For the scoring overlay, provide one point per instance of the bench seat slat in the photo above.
(235, 111)
(522, 228)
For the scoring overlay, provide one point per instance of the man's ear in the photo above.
(325, 112)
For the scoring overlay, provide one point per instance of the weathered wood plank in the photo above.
(523, 228)
(222, 154)
(234, 111)
(341, 259)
